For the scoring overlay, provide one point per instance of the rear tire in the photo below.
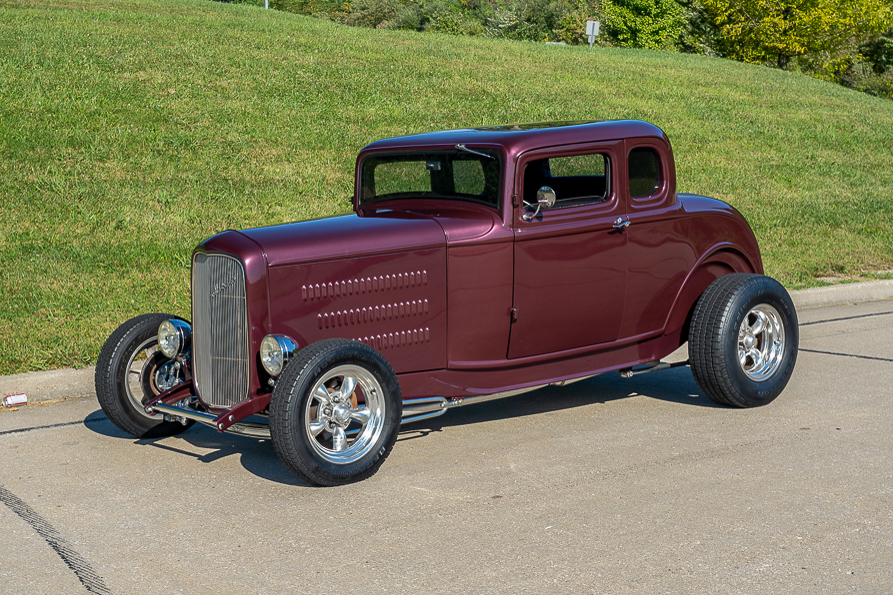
(743, 340)
(128, 373)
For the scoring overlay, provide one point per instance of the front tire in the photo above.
(130, 372)
(743, 340)
(335, 412)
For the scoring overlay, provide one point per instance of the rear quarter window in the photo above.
(644, 172)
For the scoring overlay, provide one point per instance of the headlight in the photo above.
(275, 350)
(173, 337)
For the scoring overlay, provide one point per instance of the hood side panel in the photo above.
(347, 236)
(395, 303)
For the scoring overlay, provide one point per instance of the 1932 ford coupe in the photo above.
(477, 264)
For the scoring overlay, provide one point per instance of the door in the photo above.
(570, 263)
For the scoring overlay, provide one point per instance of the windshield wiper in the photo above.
(464, 148)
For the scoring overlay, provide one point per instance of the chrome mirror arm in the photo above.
(531, 216)
(545, 197)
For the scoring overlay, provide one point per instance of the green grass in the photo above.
(132, 129)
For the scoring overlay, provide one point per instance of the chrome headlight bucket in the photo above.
(173, 337)
(275, 351)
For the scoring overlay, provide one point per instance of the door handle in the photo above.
(619, 223)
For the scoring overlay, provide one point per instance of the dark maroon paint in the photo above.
(465, 299)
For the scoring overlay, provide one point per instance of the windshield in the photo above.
(454, 174)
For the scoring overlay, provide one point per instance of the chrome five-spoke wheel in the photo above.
(345, 415)
(761, 342)
(335, 412)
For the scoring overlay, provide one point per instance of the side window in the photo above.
(578, 165)
(644, 172)
(576, 179)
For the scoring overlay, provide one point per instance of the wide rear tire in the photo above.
(743, 340)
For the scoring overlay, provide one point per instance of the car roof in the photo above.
(517, 138)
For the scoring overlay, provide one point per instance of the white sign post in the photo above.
(592, 31)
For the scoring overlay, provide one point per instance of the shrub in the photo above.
(861, 75)
(653, 24)
(571, 28)
(453, 19)
(372, 13)
(879, 52)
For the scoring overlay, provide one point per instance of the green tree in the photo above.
(778, 30)
(654, 24)
(879, 52)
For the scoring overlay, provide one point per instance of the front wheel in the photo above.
(130, 372)
(335, 412)
(743, 340)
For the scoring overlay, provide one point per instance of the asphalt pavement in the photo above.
(605, 486)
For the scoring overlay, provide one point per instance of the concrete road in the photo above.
(606, 486)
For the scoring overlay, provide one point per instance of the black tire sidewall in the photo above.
(111, 378)
(754, 291)
(288, 430)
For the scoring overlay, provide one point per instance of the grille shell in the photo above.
(219, 330)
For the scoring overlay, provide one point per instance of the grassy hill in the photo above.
(132, 129)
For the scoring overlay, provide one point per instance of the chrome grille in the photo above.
(219, 330)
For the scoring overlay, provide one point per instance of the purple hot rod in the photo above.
(477, 264)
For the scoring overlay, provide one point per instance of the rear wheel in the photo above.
(130, 372)
(335, 412)
(743, 340)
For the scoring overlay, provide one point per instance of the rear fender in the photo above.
(711, 268)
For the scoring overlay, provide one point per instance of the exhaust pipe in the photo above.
(428, 407)
(650, 367)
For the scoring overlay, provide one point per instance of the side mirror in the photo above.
(545, 199)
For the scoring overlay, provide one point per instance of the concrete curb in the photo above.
(67, 383)
(847, 293)
(50, 385)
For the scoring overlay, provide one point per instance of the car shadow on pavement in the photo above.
(100, 424)
(258, 457)
(255, 455)
(675, 385)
